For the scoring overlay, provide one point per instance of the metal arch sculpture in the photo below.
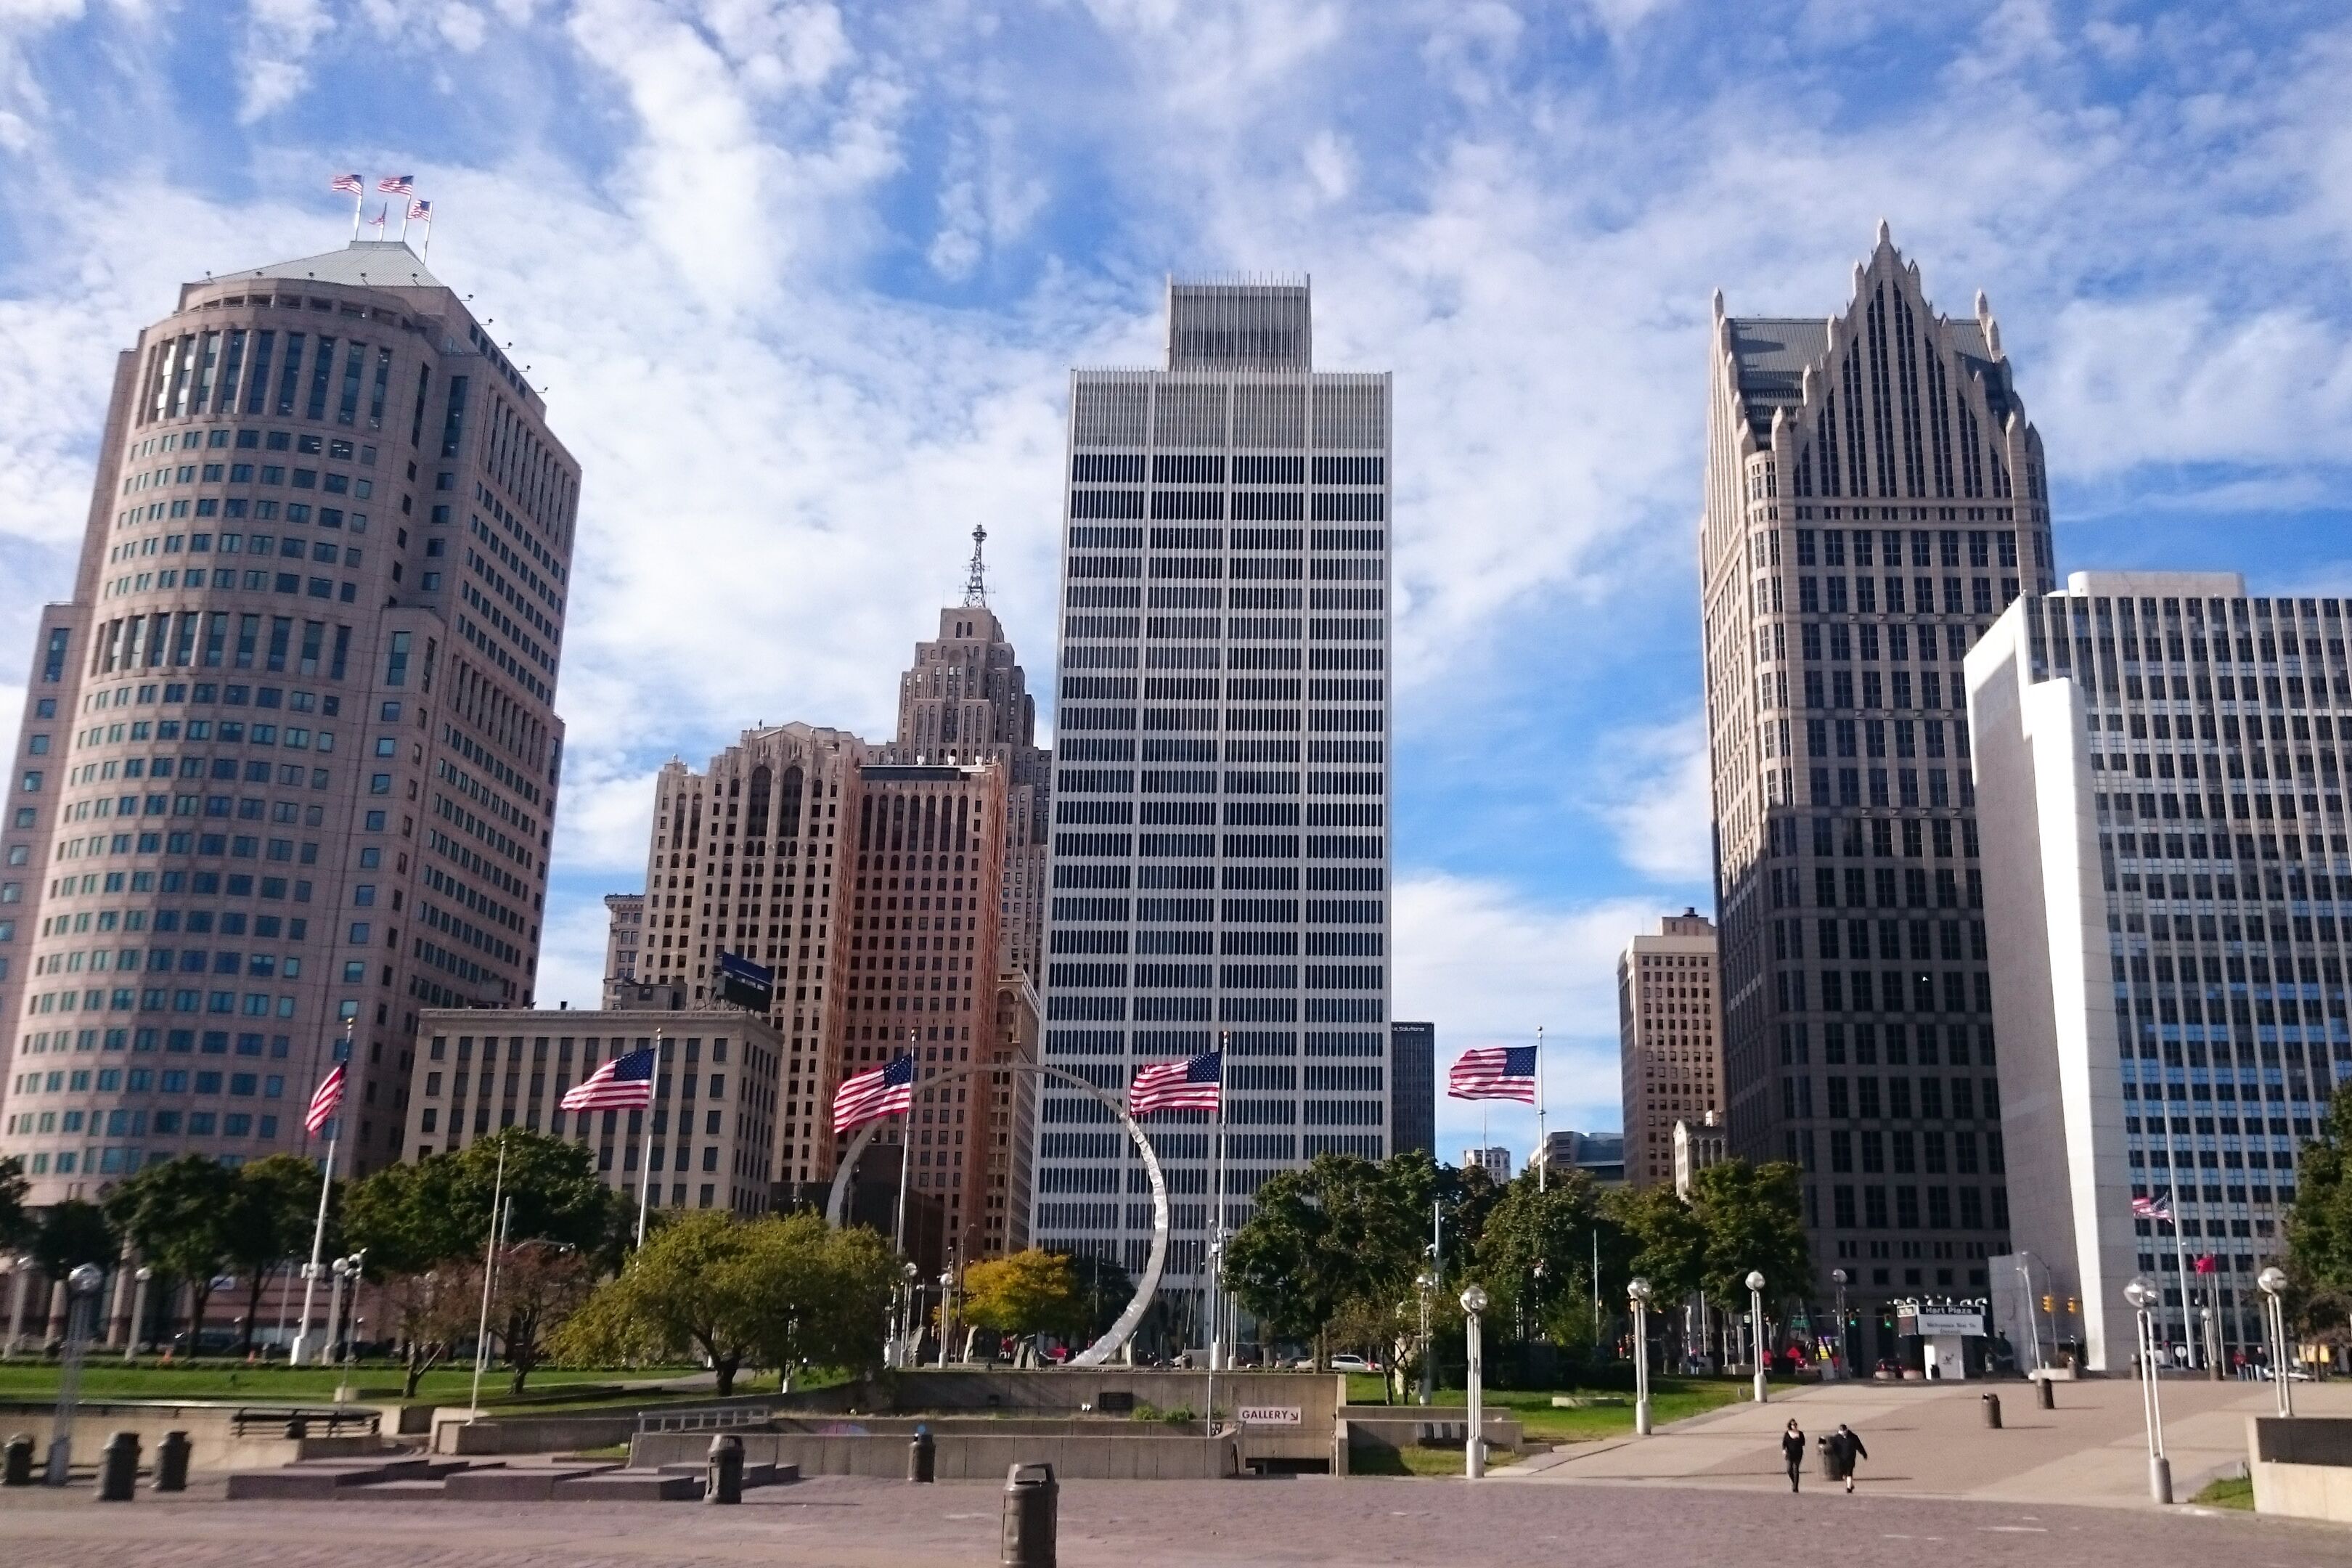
(1123, 1328)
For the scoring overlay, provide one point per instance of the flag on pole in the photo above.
(624, 1083)
(885, 1090)
(420, 210)
(397, 184)
(349, 185)
(1193, 1084)
(2206, 1263)
(1493, 1072)
(328, 1095)
(376, 223)
(2160, 1208)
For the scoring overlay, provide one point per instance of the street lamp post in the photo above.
(1473, 1446)
(1426, 1283)
(906, 1334)
(1838, 1277)
(138, 1312)
(947, 1309)
(81, 1302)
(1637, 1290)
(341, 1270)
(346, 1385)
(18, 1269)
(2033, 1324)
(2273, 1283)
(2143, 1297)
(1756, 1316)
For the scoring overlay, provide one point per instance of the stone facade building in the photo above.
(1875, 496)
(624, 937)
(1669, 1043)
(289, 756)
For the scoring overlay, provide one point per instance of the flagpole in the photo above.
(404, 220)
(905, 1139)
(1217, 1251)
(359, 206)
(489, 1266)
(1543, 1142)
(2180, 1252)
(426, 255)
(318, 1228)
(646, 1160)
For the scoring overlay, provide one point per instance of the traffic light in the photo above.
(2071, 1307)
(2045, 1304)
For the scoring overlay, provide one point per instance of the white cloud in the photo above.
(1660, 801)
(275, 61)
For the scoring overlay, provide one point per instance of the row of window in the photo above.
(144, 1080)
(1188, 468)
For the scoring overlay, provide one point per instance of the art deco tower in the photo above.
(1874, 497)
(289, 755)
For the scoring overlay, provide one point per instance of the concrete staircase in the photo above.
(409, 1479)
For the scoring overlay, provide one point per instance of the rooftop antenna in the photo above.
(975, 586)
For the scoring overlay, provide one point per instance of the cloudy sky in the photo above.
(803, 283)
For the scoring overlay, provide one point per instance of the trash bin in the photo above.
(724, 1483)
(923, 1456)
(17, 1470)
(172, 1463)
(1991, 1402)
(118, 1467)
(1032, 1499)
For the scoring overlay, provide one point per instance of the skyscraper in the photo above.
(1669, 1042)
(966, 698)
(1874, 497)
(1412, 1088)
(625, 930)
(2160, 760)
(289, 754)
(1220, 861)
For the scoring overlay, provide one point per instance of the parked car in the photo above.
(1344, 1362)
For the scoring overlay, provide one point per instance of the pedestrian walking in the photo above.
(1844, 1447)
(1792, 1449)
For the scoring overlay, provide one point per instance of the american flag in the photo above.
(1493, 1072)
(349, 185)
(885, 1090)
(377, 222)
(397, 184)
(420, 209)
(623, 1083)
(328, 1095)
(1193, 1084)
(2153, 1208)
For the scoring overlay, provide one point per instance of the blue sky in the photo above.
(802, 283)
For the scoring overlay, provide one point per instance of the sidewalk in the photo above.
(1930, 1441)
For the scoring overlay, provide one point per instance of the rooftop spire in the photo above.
(975, 586)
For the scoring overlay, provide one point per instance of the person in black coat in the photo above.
(1844, 1447)
(1793, 1450)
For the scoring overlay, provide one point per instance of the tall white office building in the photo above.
(2160, 767)
(1219, 856)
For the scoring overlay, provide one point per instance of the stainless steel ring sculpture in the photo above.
(1123, 1328)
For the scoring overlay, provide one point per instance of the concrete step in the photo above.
(756, 1472)
(517, 1483)
(342, 1478)
(629, 1486)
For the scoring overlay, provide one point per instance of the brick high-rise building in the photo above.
(1669, 1040)
(1875, 496)
(289, 755)
(1220, 864)
(624, 934)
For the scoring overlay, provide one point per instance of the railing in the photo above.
(304, 1421)
(710, 1418)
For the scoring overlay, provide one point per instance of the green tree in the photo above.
(1103, 1289)
(175, 1214)
(1031, 1292)
(73, 1232)
(411, 1216)
(1752, 1217)
(1536, 1250)
(17, 1222)
(1341, 1230)
(768, 1291)
(538, 1289)
(267, 1217)
(1667, 1245)
(432, 1311)
(2319, 1226)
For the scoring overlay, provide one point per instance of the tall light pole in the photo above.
(1426, 1282)
(2033, 1324)
(81, 1310)
(947, 1309)
(1474, 1447)
(1756, 1317)
(2273, 1283)
(1637, 1292)
(1845, 1350)
(2144, 1297)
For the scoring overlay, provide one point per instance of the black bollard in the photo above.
(725, 1484)
(2046, 1393)
(1032, 1499)
(923, 1456)
(299, 1428)
(118, 1468)
(172, 1463)
(1993, 1411)
(17, 1470)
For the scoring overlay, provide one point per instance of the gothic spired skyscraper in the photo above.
(1874, 497)
(289, 754)
(1220, 864)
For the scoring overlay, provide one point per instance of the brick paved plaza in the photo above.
(841, 1522)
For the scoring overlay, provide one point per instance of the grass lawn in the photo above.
(106, 1377)
(2229, 1491)
(1607, 1413)
(1417, 1461)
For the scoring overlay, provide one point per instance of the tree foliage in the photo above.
(1342, 1230)
(267, 1218)
(535, 1292)
(432, 1311)
(73, 1232)
(1031, 1292)
(773, 1291)
(2319, 1226)
(176, 1215)
(1751, 1217)
(17, 1222)
(1535, 1252)
(413, 1217)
